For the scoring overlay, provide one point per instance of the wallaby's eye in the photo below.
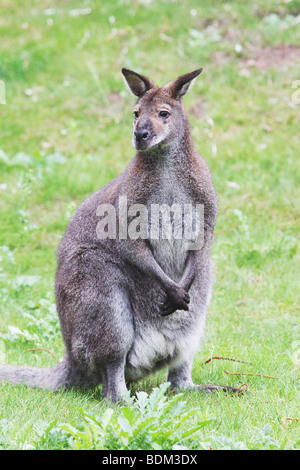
(164, 114)
(136, 114)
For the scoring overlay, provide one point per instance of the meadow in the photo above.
(66, 120)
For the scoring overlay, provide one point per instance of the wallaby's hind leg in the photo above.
(108, 336)
(180, 376)
(113, 380)
(100, 328)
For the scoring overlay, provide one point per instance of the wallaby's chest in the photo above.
(170, 186)
(167, 206)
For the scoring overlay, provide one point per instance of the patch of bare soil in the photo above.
(277, 57)
(198, 108)
(221, 58)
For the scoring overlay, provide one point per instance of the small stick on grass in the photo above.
(248, 373)
(285, 419)
(43, 349)
(231, 229)
(243, 388)
(225, 359)
(114, 165)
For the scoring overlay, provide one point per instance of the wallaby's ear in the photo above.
(180, 86)
(137, 83)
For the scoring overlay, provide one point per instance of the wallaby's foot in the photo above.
(177, 299)
(209, 388)
(180, 379)
(214, 388)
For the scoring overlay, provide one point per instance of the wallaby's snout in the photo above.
(146, 126)
(141, 134)
(141, 138)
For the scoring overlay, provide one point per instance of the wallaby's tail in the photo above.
(52, 378)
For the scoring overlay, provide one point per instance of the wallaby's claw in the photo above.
(168, 309)
(178, 299)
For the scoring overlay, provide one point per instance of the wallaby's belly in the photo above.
(163, 343)
(150, 351)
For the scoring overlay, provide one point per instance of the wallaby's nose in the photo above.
(141, 134)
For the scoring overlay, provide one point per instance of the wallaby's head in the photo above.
(159, 118)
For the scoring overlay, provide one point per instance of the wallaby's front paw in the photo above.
(177, 299)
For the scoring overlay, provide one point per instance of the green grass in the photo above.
(66, 131)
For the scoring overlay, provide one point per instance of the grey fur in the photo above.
(130, 307)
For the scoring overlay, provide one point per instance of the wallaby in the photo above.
(129, 306)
